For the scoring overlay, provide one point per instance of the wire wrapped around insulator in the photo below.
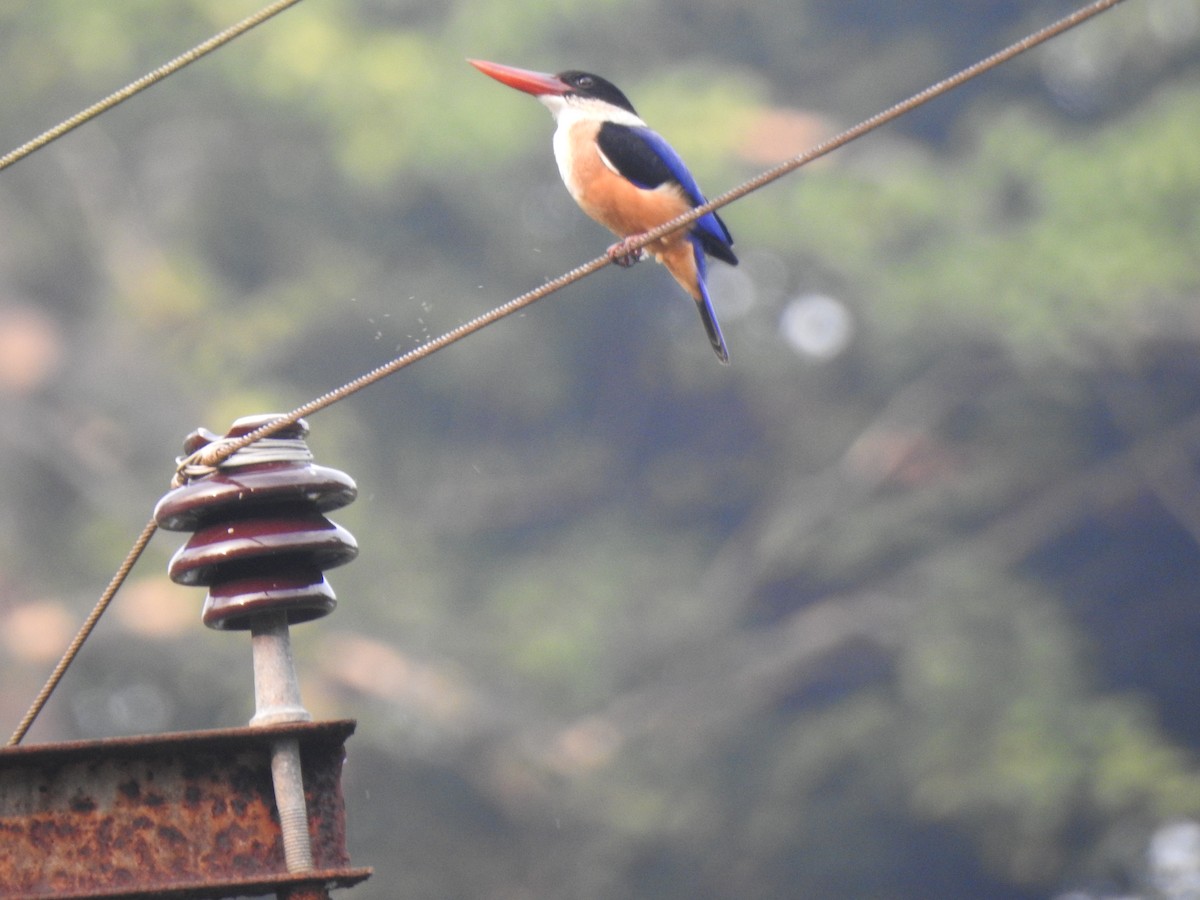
(260, 541)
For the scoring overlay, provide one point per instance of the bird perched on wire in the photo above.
(627, 178)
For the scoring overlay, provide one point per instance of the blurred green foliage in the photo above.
(910, 617)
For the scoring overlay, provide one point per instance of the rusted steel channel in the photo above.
(173, 815)
(228, 813)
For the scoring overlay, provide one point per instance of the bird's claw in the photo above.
(625, 255)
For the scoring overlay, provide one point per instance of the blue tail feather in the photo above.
(704, 304)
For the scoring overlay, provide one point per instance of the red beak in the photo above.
(535, 83)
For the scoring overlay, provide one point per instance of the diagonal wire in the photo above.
(150, 78)
(958, 79)
(206, 460)
(204, 463)
(84, 633)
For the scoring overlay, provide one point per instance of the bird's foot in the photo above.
(625, 255)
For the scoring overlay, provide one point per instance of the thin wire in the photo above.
(170, 68)
(905, 106)
(84, 633)
(203, 462)
(135, 552)
(207, 458)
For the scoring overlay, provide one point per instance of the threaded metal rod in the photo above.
(276, 700)
(289, 799)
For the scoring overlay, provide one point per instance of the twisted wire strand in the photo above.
(85, 631)
(150, 78)
(961, 77)
(207, 458)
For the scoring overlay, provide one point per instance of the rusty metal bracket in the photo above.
(188, 815)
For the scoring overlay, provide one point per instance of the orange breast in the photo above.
(614, 202)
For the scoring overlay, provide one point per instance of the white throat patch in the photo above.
(569, 110)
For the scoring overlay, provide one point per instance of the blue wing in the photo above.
(646, 159)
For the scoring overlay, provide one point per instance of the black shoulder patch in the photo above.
(634, 158)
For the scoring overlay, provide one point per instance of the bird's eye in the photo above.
(585, 81)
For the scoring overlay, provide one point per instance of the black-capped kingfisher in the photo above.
(627, 178)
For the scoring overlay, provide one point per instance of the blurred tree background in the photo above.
(902, 604)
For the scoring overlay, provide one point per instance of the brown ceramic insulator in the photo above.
(260, 541)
